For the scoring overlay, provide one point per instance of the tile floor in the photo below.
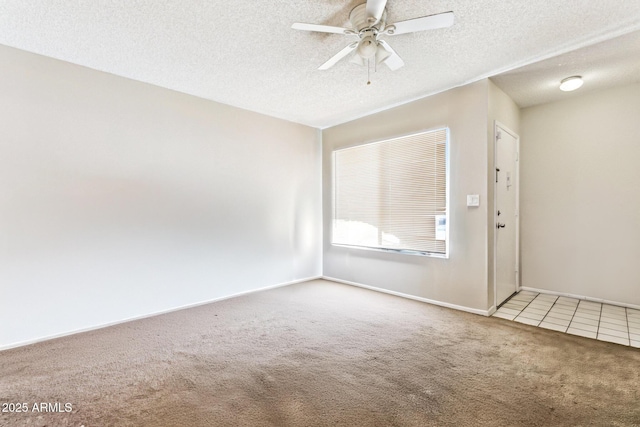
(604, 322)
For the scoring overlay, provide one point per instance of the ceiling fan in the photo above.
(368, 21)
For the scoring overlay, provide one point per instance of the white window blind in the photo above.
(393, 194)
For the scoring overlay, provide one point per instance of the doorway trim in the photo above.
(496, 126)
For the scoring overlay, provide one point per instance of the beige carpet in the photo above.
(322, 354)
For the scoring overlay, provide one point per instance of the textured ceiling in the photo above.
(244, 53)
(601, 65)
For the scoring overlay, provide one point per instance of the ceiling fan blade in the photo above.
(375, 9)
(431, 22)
(338, 56)
(321, 28)
(393, 61)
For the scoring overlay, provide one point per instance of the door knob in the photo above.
(500, 225)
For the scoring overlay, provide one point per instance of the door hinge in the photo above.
(498, 135)
(517, 156)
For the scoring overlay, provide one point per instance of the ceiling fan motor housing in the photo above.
(359, 20)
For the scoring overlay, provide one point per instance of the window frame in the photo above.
(447, 142)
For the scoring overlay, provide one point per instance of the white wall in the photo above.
(580, 203)
(120, 199)
(462, 279)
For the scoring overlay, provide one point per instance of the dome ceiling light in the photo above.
(571, 83)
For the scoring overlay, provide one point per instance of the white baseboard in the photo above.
(157, 313)
(413, 297)
(564, 294)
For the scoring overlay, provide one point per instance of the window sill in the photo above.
(394, 251)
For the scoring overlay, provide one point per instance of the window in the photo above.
(392, 194)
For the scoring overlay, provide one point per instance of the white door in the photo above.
(506, 213)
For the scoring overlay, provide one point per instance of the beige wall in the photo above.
(580, 203)
(504, 110)
(121, 199)
(462, 279)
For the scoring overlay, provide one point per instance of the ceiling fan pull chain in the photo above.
(368, 71)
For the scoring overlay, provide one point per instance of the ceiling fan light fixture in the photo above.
(367, 47)
(571, 83)
(357, 59)
(382, 54)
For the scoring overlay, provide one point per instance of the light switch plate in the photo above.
(473, 200)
